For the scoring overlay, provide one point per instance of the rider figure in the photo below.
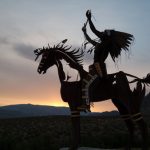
(100, 55)
(100, 48)
(110, 42)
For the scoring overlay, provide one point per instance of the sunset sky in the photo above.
(29, 24)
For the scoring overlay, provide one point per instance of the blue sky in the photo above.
(27, 25)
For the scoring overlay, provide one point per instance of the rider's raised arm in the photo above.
(87, 36)
(94, 30)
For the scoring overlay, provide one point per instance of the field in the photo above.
(51, 133)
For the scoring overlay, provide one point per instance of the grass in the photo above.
(51, 133)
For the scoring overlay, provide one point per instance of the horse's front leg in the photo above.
(75, 121)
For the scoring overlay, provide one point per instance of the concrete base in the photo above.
(88, 148)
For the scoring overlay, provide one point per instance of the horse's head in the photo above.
(47, 60)
(51, 56)
(48, 56)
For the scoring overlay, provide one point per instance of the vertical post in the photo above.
(144, 130)
(75, 120)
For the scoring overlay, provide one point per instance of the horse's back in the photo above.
(100, 89)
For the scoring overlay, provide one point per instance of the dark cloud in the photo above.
(4, 40)
(25, 50)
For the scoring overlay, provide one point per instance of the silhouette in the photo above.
(109, 42)
(114, 87)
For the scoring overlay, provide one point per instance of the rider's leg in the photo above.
(85, 106)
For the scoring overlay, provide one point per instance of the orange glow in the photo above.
(58, 104)
(44, 95)
(103, 106)
(57, 101)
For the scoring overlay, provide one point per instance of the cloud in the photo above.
(25, 50)
(4, 40)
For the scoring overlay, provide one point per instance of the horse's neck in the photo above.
(72, 63)
(61, 72)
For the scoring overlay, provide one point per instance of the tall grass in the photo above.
(51, 133)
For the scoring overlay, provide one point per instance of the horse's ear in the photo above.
(64, 41)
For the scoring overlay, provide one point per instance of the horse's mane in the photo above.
(75, 54)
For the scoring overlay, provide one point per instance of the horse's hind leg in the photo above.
(124, 113)
(143, 129)
(138, 95)
(123, 96)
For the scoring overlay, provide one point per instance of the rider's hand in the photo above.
(88, 14)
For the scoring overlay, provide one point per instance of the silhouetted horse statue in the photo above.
(114, 87)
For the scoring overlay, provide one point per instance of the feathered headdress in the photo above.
(119, 41)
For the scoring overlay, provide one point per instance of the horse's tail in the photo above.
(145, 80)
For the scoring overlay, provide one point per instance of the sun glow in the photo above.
(103, 106)
(58, 104)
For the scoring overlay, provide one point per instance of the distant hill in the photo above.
(105, 113)
(28, 110)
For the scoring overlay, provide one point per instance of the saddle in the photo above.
(96, 72)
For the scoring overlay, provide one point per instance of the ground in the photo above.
(53, 132)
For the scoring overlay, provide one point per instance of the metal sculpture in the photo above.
(114, 87)
(109, 42)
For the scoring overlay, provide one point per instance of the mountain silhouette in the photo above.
(29, 110)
